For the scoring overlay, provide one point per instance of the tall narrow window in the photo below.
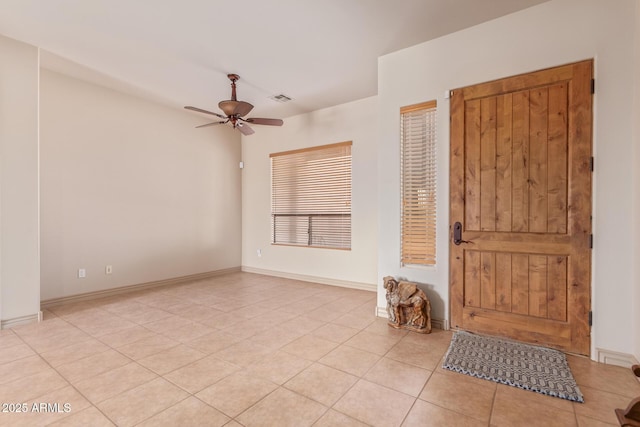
(311, 196)
(418, 183)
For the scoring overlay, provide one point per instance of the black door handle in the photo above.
(457, 233)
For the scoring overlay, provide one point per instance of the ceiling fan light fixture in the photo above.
(228, 107)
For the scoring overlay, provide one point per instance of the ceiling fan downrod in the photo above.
(234, 78)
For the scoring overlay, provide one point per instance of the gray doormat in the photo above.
(525, 366)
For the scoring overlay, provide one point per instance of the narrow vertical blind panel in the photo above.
(418, 183)
(311, 196)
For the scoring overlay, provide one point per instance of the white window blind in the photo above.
(311, 196)
(418, 183)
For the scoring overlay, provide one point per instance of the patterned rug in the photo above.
(525, 366)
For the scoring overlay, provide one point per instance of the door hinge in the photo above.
(593, 164)
(591, 241)
(593, 86)
(591, 318)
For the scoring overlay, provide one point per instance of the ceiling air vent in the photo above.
(280, 98)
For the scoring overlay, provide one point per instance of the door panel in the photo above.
(521, 186)
(528, 284)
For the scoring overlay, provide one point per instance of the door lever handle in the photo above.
(457, 234)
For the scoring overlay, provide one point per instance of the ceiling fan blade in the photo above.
(200, 110)
(211, 124)
(245, 129)
(242, 109)
(269, 122)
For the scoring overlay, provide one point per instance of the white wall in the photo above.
(355, 121)
(553, 33)
(130, 183)
(19, 254)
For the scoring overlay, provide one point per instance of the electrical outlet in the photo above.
(108, 269)
(82, 273)
(259, 252)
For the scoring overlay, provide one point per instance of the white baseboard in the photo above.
(435, 323)
(22, 320)
(382, 312)
(616, 358)
(440, 324)
(314, 279)
(131, 288)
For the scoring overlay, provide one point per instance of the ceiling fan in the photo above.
(234, 111)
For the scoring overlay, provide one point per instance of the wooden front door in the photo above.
(521, 193)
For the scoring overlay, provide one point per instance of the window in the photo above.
(418, 183)
(311, 196)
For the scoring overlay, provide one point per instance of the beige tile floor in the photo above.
(251, 350)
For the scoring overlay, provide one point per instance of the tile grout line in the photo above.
(493, 404)
(417, 398)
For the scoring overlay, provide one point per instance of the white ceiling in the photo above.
(318, 52)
